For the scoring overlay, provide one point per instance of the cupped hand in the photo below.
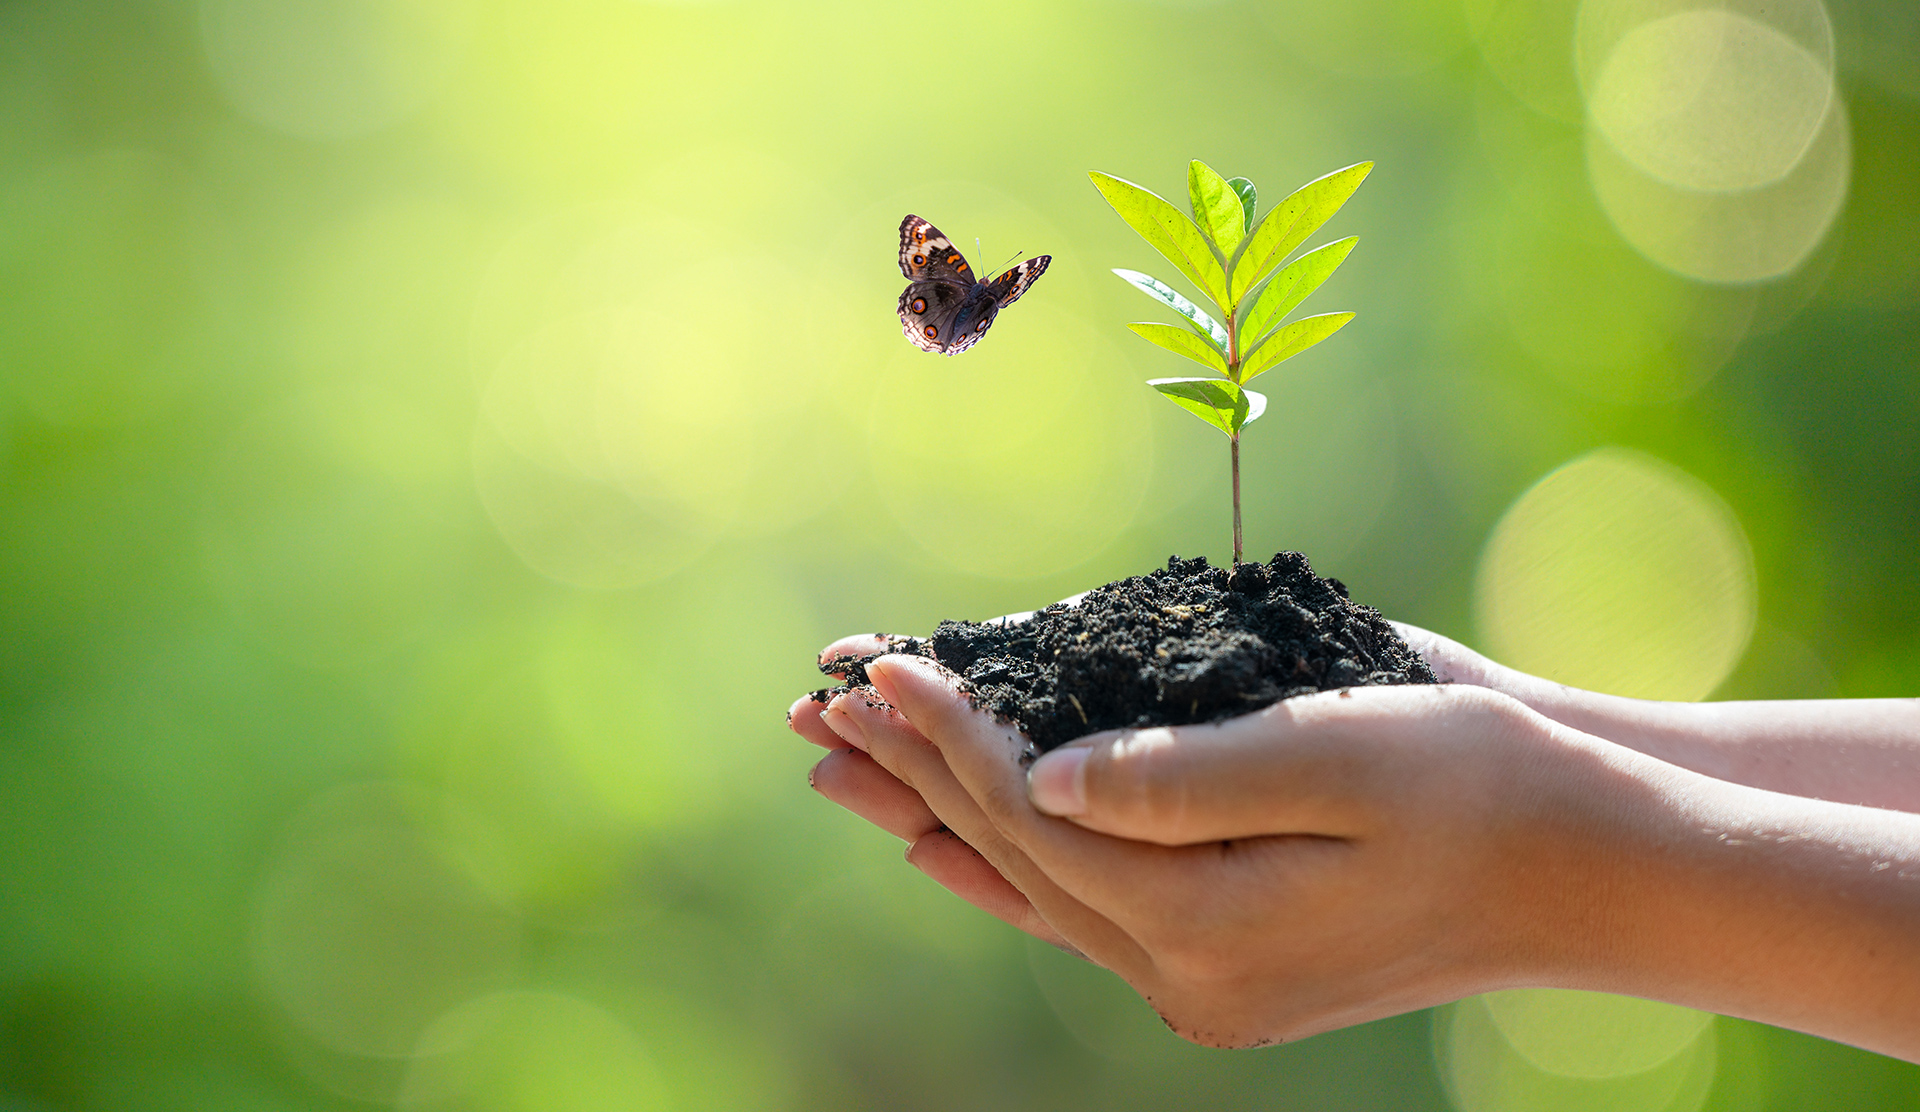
(1348, 855)
(1331, 859)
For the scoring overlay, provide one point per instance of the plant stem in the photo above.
(1233, 438)
(1234, 441)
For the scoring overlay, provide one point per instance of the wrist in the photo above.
(1589, 821)
(1676, 886)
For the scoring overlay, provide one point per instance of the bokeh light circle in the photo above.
(725, 421)
(628, 418)
(1527, 1051)
(1620, 573)
(1717, 143)
(1710, 100)
(1600, 25)
(1745, 236)
(1592, 1034)
(576, 529)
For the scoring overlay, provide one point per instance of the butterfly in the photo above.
(943, 308)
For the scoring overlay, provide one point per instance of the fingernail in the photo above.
(878, 677)
(844, 724)
(804, 703)
(883, 683)
(1057, 782)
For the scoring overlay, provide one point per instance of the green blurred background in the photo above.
(435, 436)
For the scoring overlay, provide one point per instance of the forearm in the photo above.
(1864, 751)
(1861, 751)
(1790, 911)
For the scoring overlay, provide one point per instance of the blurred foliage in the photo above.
(435, 436)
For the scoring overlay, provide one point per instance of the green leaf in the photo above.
(1170, 297)
(1249, 199)
(1214, 400)
(1285, 343)
(1256, 405)
(1216, 207)
(1184, 342)
(1292, 285)
(1169, 231)
(1289, 225)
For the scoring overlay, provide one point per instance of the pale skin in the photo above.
(1352, 855)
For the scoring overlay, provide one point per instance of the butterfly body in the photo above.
(944, 308)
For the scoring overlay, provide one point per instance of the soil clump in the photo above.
(1185, 644)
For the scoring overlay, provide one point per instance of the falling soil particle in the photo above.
(1190, 643)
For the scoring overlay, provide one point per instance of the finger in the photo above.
(1026, 615)
(851, 779)
(803, 718)
(1449, 659)
(1453, 662)
(981, 757)
(899, 747)
(841, 723)
(866, 644)
(1318, 765)
(857, 645)
(959, 868)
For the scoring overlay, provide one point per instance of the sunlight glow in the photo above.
(333, 69)
(1620, 573)
(1546, 1050)
(1717, 142)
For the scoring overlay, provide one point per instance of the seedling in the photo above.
(1231, 259)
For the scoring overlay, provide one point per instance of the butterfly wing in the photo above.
(928, 255)
(940, 298)
(944, 309)
(930, 313)
(1007, 288)
(986, 299)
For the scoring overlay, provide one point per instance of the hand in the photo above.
(852, 779)
(1320, 863)
(849, 777)
(1344, 856)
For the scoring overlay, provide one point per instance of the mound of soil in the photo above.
(1190, 643)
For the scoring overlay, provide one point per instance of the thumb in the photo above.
(1260, 774)
(925, 691)
(1141, 785)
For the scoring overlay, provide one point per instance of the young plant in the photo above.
(1231, 259)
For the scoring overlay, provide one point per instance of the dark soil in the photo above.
(1191, 643)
